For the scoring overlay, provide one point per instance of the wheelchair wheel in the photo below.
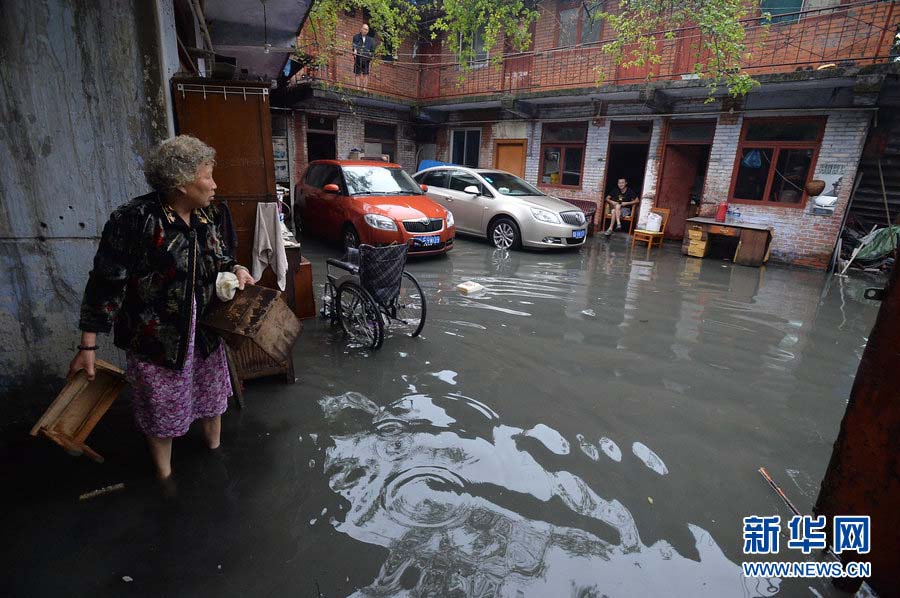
(409, 307)
(359, 316)
(328, 297)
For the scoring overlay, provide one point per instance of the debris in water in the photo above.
(127, 578)
(650, 459)
(448, 376)
(589, 312)
(550, 438)
(469, 287)
(312, 463)
(587, 448)
(611, 449)
(325, 510)
(313, 521)
(650, 499)
(102, 491)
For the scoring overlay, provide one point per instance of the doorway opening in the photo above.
(320, 138)
(683, 172)
(629, 146)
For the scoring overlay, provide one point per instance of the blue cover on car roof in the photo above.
(429, 163)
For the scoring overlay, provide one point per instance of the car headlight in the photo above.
(450, 221)
(544, 216)
(380, 222)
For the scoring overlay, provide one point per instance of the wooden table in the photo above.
(753, 244)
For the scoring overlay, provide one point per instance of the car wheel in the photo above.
(504, 234)
(350, 237)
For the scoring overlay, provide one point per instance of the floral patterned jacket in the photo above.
(147, 269)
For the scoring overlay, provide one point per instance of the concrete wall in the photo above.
(81, 100)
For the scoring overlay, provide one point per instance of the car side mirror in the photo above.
(331, 188)
(472, 190)
(423, 187)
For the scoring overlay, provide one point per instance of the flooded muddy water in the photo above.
(591, 424)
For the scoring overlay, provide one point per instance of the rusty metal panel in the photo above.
(863, 477)
(233, 117)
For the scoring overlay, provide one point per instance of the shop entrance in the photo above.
(683, 172)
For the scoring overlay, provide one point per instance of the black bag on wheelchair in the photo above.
(380, 270)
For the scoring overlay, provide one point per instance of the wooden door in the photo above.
(233, 118)
(681, 164)
(509, 155)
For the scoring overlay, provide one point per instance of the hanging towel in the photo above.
(268, 245)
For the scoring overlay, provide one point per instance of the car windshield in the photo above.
(509, 184)
(379, 180)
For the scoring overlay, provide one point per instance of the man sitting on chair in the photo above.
(620, 204)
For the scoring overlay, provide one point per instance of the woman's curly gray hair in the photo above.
(175, 162)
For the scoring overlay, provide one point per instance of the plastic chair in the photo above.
(652, 237)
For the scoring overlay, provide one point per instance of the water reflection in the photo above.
(466, 508)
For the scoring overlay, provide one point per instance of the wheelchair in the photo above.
(369, 291)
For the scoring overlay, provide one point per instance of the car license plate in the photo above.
(578, 234)
(428, 241)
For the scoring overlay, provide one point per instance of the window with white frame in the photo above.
(480, 58)
(465, 147)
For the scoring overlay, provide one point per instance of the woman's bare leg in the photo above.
(212, 430)
(161, 454)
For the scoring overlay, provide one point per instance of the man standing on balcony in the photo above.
(363, 50)
(621, 203)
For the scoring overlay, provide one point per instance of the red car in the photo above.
(377, 203)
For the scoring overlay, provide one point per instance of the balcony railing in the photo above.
(861, 33)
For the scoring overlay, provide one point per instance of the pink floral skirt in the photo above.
(166, 401)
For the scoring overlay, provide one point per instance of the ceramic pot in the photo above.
(815, 187)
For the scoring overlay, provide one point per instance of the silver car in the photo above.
(503, 208)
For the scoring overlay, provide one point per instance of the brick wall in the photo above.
(654, 158)
(350, 131)
(397, 78)
(834, 35)
(721, 162)
(801, 237)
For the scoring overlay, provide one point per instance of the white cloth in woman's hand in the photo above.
(226, 285)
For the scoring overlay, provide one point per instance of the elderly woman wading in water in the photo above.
(154, 275)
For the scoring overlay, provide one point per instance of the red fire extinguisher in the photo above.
(722, 211)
